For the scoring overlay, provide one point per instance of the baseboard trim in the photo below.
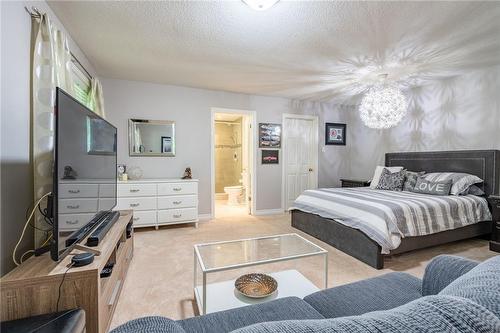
(205, 217)
(260, 212)
(276, 211)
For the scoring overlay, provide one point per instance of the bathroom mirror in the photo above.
(151, 137)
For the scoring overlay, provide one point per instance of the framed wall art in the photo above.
(166, 144)
(335, 134)
(269, 135)
(270, 156)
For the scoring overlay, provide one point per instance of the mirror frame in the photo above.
(131, 138)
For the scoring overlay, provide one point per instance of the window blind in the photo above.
(81, 85)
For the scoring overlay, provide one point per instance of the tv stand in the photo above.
(85, 248)
(33, 288)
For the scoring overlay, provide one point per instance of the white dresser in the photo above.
(159, 202)
(81, 199)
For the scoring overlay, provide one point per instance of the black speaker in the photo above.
(82, 259)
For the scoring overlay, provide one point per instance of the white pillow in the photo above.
(378, 173)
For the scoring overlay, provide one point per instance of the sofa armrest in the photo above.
(153, 324)
(442, 270)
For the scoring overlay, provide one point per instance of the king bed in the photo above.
(370, 224)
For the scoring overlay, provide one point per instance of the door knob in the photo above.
(310, 169)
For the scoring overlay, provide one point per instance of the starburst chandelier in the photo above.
(383, 106)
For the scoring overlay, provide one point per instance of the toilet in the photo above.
(234, 194)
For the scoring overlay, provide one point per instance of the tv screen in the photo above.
(84, 173)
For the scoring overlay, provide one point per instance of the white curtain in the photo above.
(95, 98)
(51, 69)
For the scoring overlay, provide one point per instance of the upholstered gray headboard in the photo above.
(483, 163)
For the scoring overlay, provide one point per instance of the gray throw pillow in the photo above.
(391, 181)
(460, 181)
(435, 188)
(411, 179)
(475, 190)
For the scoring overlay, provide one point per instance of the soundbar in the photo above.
(85, 230)
(98, 234)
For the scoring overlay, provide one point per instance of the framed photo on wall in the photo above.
(166, 144)
(335, 134)
(270, 156)
(269, 135)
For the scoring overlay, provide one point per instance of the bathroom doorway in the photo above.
(233, 162)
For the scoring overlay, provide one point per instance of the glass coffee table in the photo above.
(235, 254)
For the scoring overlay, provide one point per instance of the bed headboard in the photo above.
(483, 163)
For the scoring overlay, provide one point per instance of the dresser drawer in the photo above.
(177, 215)
(107, 191)
(106, 204)
(147, 203)
(78, 206)
(177, 188)
(147, 217)
(181, 201)
(73, 221)
(78, 191)
(136, 190)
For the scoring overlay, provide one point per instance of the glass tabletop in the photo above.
(246, 252)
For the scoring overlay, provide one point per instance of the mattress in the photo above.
(388, 216)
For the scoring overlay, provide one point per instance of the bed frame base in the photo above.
(355, 243)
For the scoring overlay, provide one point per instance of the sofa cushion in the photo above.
(287, 308)
(152, 324)
(481, 285)
(427, 314)
(442, 270)
(379, 293)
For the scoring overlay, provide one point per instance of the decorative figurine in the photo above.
(69, 173)
(121, 170)
(187, 173)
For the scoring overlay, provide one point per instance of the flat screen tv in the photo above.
(84, 172)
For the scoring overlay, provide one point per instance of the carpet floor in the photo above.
(160, 277)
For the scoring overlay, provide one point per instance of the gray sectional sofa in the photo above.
(454, 295)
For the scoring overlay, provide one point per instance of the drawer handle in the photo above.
(177, 215)
(73, 207)
(177, 202)
(133, 190)
(137, 218)
(74, 191)
(112, 299)
(72, 222)
(134, 204)
(177, 189)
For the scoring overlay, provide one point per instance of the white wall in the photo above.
(190, 108)
(16, 172)
(458, 113)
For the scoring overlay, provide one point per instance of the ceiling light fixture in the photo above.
(383, 106)
(260, 4)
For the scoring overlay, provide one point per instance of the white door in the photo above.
(247, 153)
(300, 148)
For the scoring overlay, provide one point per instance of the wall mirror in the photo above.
(151, 137)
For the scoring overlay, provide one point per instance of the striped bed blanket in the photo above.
(388, 216)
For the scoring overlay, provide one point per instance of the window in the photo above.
(81, 85)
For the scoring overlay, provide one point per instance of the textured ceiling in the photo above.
(301, 50)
